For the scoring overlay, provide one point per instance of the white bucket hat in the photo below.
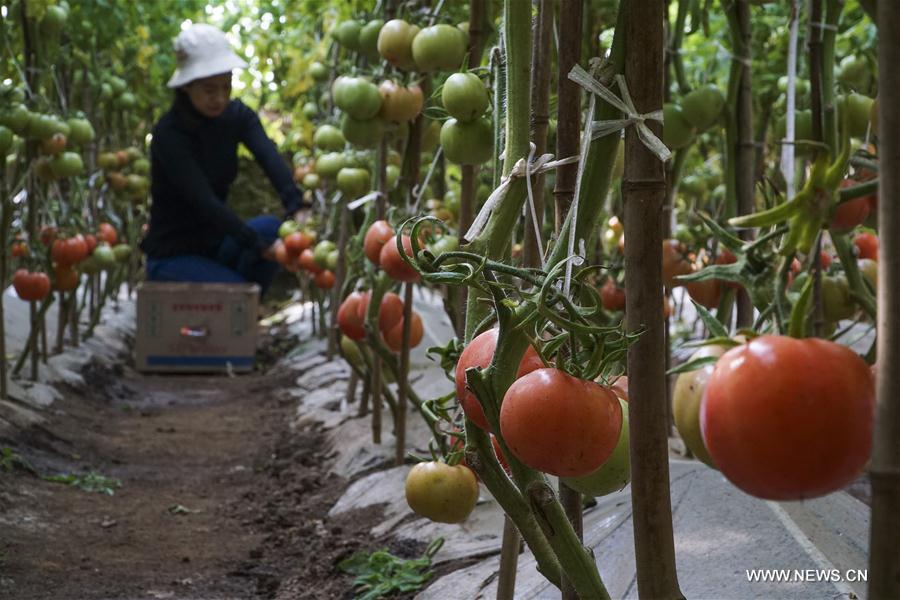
(202, 51)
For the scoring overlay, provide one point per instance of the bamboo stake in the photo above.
(509, 560)
(403, 378)
(73, 315)
(571, 502)
(745, 173)
(5, 218)
(62, 320)
(352, 386)
(568, 124)
(645, 193)
(541, 62)
(884, 545)
(469, 172)
(334, 333)
(375, 389)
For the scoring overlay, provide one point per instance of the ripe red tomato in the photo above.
(479, 353)
(612, 296)
(307, 261)
(351, 317)
(727, 257)
(66, 279)
(54, 144)
(442, 493)
(68, 251)
(31, 286)
(48, 234)
(107, 233)
(281, 254)
(705, 293)
(91, 241)
(394, 336)
(400, 104)
(393, 264)
(620, 387)
(789, 419)
(19, 250)
(377, 235)
(389, 313)
(297, 242)
(848, 215)
(674, 262)
(324, 280)
(560, 424)
(867, 245)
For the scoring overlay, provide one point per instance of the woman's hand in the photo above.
(269, 253)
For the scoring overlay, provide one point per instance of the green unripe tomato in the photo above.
(310, 110)
(677, 130)
(468, 143)
(614, 474)
(6, 140)
(311, 181)
(287, 228)
(353, 182)
(362, 133)
(439, 48)
(392, 173)
(81, 132)
(368, 39)
(104, 256)
(328, 165)
(321, 252)
(702, 106)
(464, 96)
(347, 34)
(329, 138)
(318, 71)
(121, 252)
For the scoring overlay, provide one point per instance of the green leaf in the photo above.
(716, 329)
(693, 365)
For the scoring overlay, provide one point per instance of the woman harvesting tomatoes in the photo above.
(193, 235)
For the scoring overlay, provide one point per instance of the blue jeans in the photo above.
(232, 263)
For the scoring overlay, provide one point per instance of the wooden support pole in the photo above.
(403, 378)
(568, 126)
(644, 189)
(884, 548)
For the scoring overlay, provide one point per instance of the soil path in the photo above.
(218, 497)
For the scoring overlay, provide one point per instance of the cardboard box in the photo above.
(196, 327)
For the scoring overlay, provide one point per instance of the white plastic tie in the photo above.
(418, 189)
(624, 104)
(363, 200)
(543, 164)
(533, 210)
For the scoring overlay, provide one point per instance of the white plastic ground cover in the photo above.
(29, 399)
(724, 539)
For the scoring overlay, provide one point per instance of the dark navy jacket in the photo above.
(194, 162)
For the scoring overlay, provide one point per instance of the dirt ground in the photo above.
(218, 498)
